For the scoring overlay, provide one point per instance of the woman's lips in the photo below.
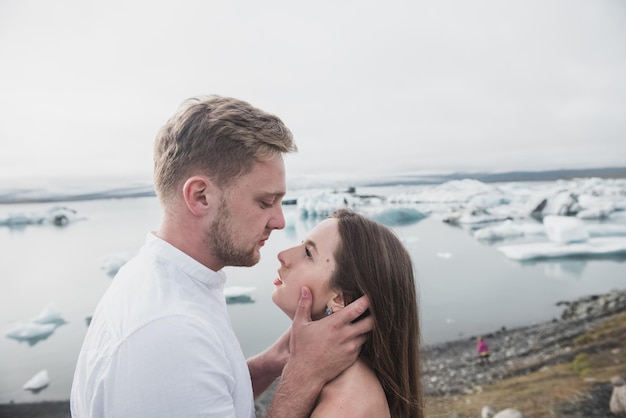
(277, 281)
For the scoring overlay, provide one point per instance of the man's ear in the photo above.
(197, 192)
(336, 302)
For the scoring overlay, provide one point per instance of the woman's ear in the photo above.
(197, 194)
(336, 302)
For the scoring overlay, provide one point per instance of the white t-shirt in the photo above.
(160, 344)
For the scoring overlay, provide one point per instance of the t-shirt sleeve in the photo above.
(172, 367)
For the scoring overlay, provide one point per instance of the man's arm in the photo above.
(318, 352)
(267, 366)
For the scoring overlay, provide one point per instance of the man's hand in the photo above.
(333, 343)
(318, 352)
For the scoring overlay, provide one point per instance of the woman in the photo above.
(343, 258)
(483, 350)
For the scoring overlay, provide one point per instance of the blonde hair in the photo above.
(220, 137)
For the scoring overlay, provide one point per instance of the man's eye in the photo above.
(266, 205)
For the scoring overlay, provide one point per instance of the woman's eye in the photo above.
(307, 252)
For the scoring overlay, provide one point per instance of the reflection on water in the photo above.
(571, 266)
(564, 269)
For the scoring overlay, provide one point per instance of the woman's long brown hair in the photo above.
(371, 260)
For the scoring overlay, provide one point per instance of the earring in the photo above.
(329, 311)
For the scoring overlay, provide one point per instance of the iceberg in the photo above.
(591, 247)
(397, 216)
(57, 215)
(565, 229)
(39, 328)
(509, 229)
(112, 263)
(30, 332)
(322, 204)
(38, 382)
(475, 216)
(49, 315)
(606, 230)
(238, 294)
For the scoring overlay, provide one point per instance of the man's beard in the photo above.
(220, 239)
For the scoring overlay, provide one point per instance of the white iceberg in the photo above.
(49, 315)
(473, 216)
(30, 331)
(57, 215)
(322, 204)
(600, 212)
(606, 230)
(565, 229)
(37, 382)
(591, 247)
(509, 229)
(112, 263)
(395, 216)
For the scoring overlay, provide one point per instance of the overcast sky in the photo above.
(365, 86)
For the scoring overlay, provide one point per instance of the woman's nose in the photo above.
(282, 258)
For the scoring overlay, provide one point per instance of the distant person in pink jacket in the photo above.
(483, 351)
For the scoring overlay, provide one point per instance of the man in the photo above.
(160, 342)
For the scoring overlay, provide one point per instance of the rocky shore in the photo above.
(451, 368)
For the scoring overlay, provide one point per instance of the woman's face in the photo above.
(309, 264)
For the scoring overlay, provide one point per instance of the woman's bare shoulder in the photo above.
(354, 393)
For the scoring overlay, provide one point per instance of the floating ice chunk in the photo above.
(602, 212)
(238, 294)
(474, 216)
(565, 229)
(488, 200)
(593, 246)
(30, 330)
(397, 216)
(49, 315)
(16, 219)
(57, 215)
(322, 204)
(112, 263)
(508, 229)
(60, 216)
(37, 382)
(564, 203)
(606, 230)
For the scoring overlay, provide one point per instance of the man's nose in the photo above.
(277, 221)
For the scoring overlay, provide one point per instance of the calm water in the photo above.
(474, 290)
